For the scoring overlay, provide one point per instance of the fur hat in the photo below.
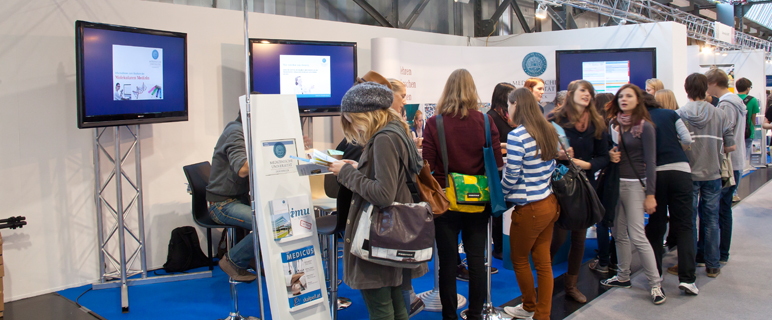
(366, 97)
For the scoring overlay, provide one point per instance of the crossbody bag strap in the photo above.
(443, 147)
(411, 185)
(487, 132)
(627, 155)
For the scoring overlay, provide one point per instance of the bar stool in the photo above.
(198, 178)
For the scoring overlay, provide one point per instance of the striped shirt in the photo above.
(526, 176)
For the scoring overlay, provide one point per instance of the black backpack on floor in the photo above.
(184, 251)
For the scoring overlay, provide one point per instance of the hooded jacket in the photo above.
(735, 110)
(710, 132)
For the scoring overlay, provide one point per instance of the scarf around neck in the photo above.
(584, 121)
(627, 120)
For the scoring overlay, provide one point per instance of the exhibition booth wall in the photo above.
(669, 38)
(744, 64)
(46, 161)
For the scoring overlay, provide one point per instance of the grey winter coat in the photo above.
(380, 159)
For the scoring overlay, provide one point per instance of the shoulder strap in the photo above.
(443, 146)
(411, 185)
(747, 99)
(487, 132)
(627, 155)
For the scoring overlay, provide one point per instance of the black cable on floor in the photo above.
(76, 300)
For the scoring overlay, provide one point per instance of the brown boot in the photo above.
(572, 291)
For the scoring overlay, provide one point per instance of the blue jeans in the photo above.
(706, 197)
(725, 217)
(236, 213)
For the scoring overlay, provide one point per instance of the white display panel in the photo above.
(606, 76)
(305, 76)
(138, 73)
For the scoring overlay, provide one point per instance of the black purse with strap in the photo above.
(580, 206)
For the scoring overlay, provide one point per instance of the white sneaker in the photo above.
(658, 295)
(518, 312)
(689, 288)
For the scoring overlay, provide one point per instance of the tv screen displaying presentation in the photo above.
(129, 76)
(319, 73)
(607, 70)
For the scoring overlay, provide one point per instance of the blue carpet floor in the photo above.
(210, 298)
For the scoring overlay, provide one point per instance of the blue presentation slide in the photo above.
(606, 76)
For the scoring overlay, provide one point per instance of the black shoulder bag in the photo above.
(580, 206)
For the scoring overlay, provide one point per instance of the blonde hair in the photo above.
(397, 86)
(655, 83)
(667, 99)
(459, 95)
(364, 125)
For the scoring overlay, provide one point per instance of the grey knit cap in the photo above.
(366, 97)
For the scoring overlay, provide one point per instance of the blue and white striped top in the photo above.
(526, 176)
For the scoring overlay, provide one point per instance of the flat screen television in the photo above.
(318, 72)
(128, 76)
(607, 70)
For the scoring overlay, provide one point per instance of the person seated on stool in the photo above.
(228, 197)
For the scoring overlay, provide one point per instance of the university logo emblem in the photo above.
(279, 150)
(155, 54)
(534, 64)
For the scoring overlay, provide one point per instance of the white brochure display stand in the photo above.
(294, 272)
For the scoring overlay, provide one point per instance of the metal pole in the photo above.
(431, 298)
(98, 202)
(332, 266)
(140, 205)
(252, 179)
(490, 312)
(121, 227)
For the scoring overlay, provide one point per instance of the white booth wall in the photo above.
(668, 37)
(46, 161)
(747, 64)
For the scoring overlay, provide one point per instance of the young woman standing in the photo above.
(531, 151)
(586, 133)
(653, 85)
(536, 86)
(634, 136)
(378, 179)
(464, 129)
(500, 114)
(666, 98)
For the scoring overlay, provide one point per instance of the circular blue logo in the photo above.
(324, 60)
(155, 54)
(279, 150)
(534, 64)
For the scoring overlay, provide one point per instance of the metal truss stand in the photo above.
(122, 265)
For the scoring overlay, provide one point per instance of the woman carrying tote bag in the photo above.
(464, 137)
(586, 133)
(531, 151)
(378, 179)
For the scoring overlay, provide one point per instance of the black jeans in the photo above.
(498, 234)
(607, 249)
(725, 217)
(674, 195)
(474, 232)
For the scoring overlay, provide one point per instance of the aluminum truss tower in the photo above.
(647, 11)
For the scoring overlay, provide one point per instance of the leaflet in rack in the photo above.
(291, 218)
(301, 278)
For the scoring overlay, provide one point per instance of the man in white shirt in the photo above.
(735, 110)
(118, 93)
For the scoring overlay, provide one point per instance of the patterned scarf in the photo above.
(583, 122)
(627, 120)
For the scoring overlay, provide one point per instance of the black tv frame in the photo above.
(558, 52)
(131, 118)
(306, 111)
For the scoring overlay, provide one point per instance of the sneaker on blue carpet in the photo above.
(658, 295)
(689, 288)
(462, 273)
(494, 270)
(595, 266)
(614, 282)
(416, 306)
(518, 312)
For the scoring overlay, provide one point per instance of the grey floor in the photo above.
(743, 290)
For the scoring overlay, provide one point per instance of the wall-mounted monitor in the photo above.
(607, 70)
(319, 73)
(128, 76)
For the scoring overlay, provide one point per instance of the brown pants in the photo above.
(531, 234)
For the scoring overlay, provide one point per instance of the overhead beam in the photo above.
(521, 17)
(373, 13)
(414, 15)
(484, 27)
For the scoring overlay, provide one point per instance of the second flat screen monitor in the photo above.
(319, 73)
(607, 70)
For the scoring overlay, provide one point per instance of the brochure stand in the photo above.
(282, 203)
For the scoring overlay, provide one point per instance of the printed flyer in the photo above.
(291, 218)
(301, 278)
(277, 156)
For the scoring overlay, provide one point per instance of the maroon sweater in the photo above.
(465, 139)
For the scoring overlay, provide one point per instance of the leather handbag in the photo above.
(580, 206)
(466, 193)
(430, 191)
(498, 205)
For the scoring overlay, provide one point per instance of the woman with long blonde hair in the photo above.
(377, 179)
(531, 151)
(666, 99)
(464, 129)
(653, 85)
